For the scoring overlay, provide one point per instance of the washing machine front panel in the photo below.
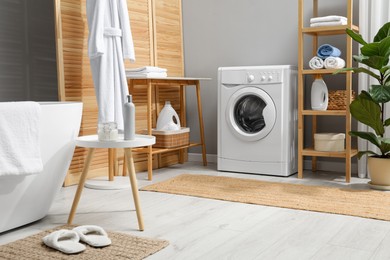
(273, 154)
(251, 113)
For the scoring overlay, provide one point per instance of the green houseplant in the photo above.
(368, 107)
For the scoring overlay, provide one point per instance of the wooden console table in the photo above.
(171, 81)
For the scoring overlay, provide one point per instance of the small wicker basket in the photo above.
(171, 139)
(337, 99)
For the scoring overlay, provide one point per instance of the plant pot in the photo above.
(379, 170)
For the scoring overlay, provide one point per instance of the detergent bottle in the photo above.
(319, 94)
(166, 119)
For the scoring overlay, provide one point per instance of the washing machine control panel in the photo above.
(264, 77)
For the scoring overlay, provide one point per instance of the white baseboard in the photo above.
(197, 157)
(321, 166)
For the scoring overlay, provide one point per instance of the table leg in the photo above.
(201, 127)
(149, 120)
(111, 163)
(134, 187)
(81, 185)
(124, 171)
(182, 118)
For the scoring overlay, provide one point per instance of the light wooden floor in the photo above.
(211, 229)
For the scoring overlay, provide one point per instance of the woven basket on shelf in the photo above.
(337, 99)
(170, 139)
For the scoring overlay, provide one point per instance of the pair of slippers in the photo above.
(67, 241)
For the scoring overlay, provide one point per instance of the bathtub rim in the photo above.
(52, 103)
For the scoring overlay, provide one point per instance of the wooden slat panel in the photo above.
(168, 36)
(169, 54)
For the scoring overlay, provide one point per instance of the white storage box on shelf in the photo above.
(329, 142)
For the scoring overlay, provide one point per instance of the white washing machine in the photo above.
(257, 119)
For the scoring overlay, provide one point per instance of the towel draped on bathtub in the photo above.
(20, 152)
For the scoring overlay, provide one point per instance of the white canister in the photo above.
(329, 142)
(319, 94)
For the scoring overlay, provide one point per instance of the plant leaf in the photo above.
(359, 70)
(385, 70)
(368, 112)
(380, 93)
(365, 95)
(387, 122)
(385, 140)
(369, 136)
(356, 36)
(385, 145)
(361, 153)
(371, 49)
(359, 58)
(383, 32)
(375, 62)
(384, 47)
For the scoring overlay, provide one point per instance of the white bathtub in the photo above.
(24, 199)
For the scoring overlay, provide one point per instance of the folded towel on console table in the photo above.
(327, 50)
(316, 63)
(147, 69)
(146, 75)
(329, 18)
(335, 23)
(19, 142)
(334, 63)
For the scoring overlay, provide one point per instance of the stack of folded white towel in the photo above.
(147, 72)
(331, 20)
(327, 57)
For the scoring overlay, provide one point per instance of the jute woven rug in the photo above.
(361, 203)
(123, 247)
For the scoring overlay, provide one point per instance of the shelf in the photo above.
(315, 33)
(328, 30)
(321, 71)
(312, 152)
(324, 113)
(164, 150)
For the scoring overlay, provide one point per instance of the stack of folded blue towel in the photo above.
(327, 57)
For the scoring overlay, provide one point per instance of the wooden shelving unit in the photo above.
(315, 33)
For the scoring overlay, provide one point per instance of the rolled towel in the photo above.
(335, 23)
(316, 63)
(329, 18)
(334, 63)
(327, 50)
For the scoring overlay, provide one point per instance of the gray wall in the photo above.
(27, 51)
(220, 33)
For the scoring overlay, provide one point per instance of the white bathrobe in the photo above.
(109, 43)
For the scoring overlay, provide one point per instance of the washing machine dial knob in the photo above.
(262, 78)
(251, 78)
(270, 78)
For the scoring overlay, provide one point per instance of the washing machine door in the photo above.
(250, 113)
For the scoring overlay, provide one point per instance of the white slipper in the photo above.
(66, 241)
(93, 235)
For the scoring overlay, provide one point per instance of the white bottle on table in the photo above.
(129, 119)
